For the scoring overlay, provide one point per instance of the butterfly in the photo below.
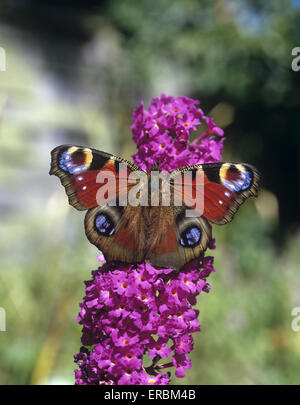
(161, 234)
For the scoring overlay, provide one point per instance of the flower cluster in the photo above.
(162, 134)
(135, 312)
(131, 311)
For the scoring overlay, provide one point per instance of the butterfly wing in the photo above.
(182, 240)
(163, 235)
(222, 189)
(109, 228)
(119, 232)
(79, 167)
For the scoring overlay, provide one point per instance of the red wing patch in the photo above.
(217, 201)
(122, 238)
(168, 243)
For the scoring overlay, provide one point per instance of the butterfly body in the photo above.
(144, 216)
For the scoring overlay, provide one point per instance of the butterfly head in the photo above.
(155, 168)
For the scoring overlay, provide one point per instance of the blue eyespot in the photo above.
(247, 178)
(190, 237)
(242, 183)
(104, 225)
(66, 163)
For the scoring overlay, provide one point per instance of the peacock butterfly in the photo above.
(160, 233)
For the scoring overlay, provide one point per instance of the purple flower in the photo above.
(155, 302)
(159, 348)
(134, 311)
(162, 134)
(181, 362)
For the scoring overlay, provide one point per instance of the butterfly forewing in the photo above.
(82, 172)
(224, 187)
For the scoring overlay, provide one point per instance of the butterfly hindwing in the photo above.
(113, 231)
(185, 239)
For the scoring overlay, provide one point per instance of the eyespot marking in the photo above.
(190, 237)
(104, 225)
(236, 177)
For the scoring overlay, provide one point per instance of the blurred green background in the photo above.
(73, 75)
